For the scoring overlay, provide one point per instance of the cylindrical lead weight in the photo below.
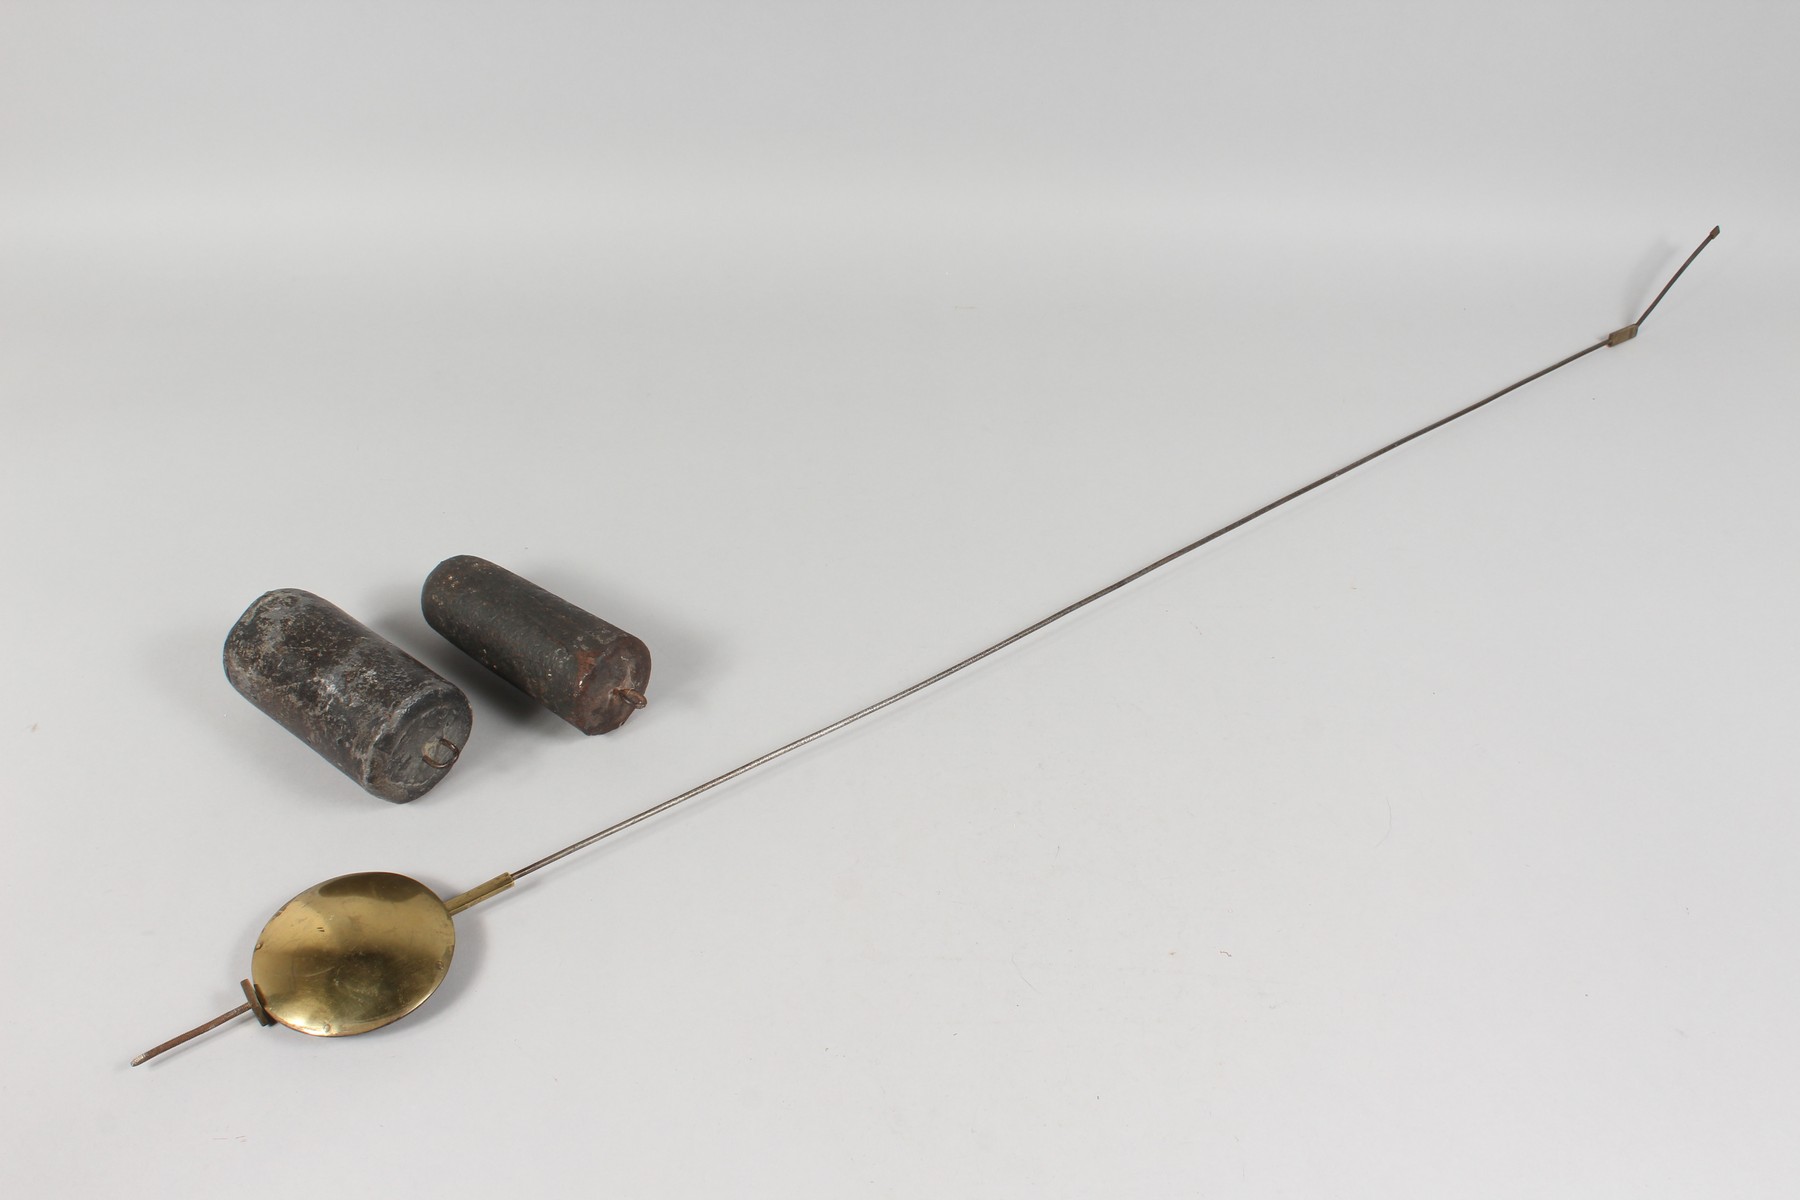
(374, 711)
(590, 673)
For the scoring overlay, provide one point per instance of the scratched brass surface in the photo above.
(353, 953)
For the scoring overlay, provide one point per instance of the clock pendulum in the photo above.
(361, 951)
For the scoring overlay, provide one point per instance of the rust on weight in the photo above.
(587, 671)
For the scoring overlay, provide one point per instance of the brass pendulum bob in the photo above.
(349, 955)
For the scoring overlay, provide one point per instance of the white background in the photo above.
(1435, 837)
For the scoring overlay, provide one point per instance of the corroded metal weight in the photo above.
(372, 710)
(587, 671)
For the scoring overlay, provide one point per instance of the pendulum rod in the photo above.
(435, 920)
(1616, 338)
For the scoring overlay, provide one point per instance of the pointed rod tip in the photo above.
(190, 1035)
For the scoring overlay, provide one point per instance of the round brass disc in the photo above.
(353, 954)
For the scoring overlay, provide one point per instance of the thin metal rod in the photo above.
(190, 1035)
(1060, 613)
(1677, 275)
